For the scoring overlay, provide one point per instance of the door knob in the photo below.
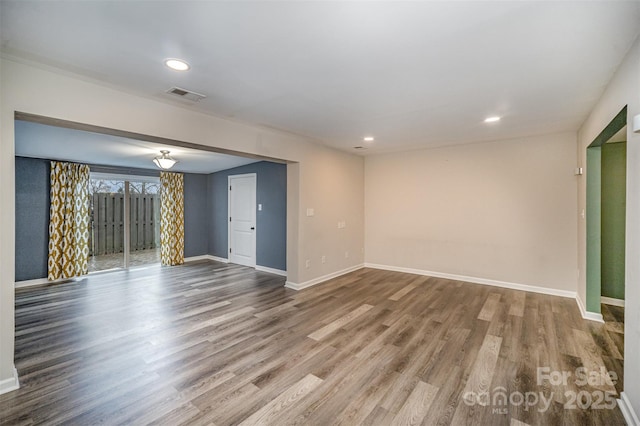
(253, 227)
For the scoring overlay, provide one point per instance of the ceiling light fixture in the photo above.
(164, 161)
(177, 64)
(491, 119)
(368, 138)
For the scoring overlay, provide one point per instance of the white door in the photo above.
(242, 219)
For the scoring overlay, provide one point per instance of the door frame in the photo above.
(253, 214)
(593, 264)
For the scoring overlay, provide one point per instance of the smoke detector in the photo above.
(186, 94)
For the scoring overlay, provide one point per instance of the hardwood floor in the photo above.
(210, 343)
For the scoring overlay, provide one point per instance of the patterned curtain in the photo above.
(171, 218)
(68, 221)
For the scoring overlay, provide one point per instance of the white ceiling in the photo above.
(412, 74)
(58, 143)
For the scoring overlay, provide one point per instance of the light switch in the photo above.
(310, 212)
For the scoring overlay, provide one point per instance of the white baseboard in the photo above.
(628, 412)
(30, 283)
(223, 260)
(592, 316)
(10, 384)
(296, 286)
(39, 281)
(475, 280)
(206, 257)
(611, 301)
(271, 270)
(197, 258)
(513, 286)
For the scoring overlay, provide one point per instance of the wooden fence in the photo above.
(107, 223)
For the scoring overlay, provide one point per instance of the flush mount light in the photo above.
(491, 119)
(368, 138)
(177, 64)
(164, 161)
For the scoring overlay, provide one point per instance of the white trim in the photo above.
(592, 316)
(39, 281)
(107, 271)
(296, 286)
(628, 412)
(31, 283)
(206, 257)
(223, 260)
(475, 280)
(10, 384)
(271, 270)
(196, 258)
(611, 301)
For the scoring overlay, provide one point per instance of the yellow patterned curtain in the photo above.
(171, 218)
(68, 220)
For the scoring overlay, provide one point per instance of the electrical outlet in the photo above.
(324, 259)
(346, 254)
(307, 263)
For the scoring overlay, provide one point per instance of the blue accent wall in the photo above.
(196, 215)
(271, 221)
(32, 218)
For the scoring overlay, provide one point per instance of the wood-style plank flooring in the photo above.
(211, 343)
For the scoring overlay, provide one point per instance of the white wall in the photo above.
(503, 211)
(330, 181)
(624, 89)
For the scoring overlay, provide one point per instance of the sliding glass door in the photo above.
(106, 233)
(144, 223)
(124, 217)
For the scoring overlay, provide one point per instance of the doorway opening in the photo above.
(606, 216)
(124, 221)
(205, 170)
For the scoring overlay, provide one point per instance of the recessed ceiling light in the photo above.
(491, 119)
(368, 138)
(177, 64)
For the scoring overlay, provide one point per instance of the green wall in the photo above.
(614, 161)
(594, 228)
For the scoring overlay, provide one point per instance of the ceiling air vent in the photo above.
(186, 94)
